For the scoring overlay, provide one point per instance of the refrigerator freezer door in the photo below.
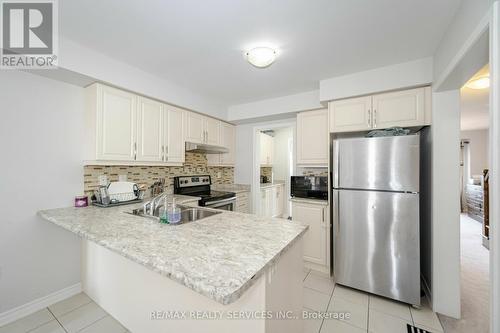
(383, 163)
(377, 243)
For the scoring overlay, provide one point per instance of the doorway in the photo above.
(274, 165)
(474, 208)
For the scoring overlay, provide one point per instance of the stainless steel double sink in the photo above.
(188, 214)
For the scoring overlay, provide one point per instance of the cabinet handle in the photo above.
(323, 215)
(374, 118)
(166, 153)
(369, 118)
(163, 153)
(135, 151)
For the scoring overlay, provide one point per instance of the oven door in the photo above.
(224, 204)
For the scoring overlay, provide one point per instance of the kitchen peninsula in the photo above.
(192, 277)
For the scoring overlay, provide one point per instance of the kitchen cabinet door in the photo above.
(266, 202)
(266, 149)
(312, 138)
(263, 207)
(116, 124)
(174, 136)
(350, 115)
(263, 149)
(228, 140)
(401, 108)
(278, 200)
(149, 130)
(212, 131)
(195, 127)
(315, 239)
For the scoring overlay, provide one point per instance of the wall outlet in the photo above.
(122, 178)
(219, 174)
(103, 180)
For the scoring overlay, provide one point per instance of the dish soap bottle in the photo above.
(164, 212)
(174, 213)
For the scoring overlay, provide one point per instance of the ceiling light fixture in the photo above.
(480, 82)
(261, 57)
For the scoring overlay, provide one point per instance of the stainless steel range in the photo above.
(199, 186)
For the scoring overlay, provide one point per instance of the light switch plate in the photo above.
(122, 178)
(103, 180)
(219, 174)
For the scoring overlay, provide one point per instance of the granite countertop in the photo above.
(274, 183)
(220, 256)
(236, 188)
(310, 201)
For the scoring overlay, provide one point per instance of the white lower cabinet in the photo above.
(265, 202)
(316, 239)
(242, 202)
(272, 201)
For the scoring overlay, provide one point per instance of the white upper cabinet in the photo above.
(150, 130)
(401, 108)
(312, 138)
(174, 137)
(201, 129)
(212, 131)
(406, 108)
(123, 128)
(227, 140)
(195, 127)
(115, 123)
(266, 149)
(350, 115)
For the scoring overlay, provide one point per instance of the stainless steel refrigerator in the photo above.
(375, 206)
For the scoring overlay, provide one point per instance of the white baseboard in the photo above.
(316, 267)
(38, 304)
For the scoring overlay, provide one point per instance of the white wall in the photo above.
(263, 109)
(41, 133)
(495, 166)
(479, 149)
(445, 137)
(282, 160)
(466, 20)
(79, 59)
(398, 76)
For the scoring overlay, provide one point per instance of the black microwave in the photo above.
(311, 187)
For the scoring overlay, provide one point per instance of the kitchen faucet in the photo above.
(150, 206)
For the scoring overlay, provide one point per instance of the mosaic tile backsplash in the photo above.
(267, 171)
(315, 172)
(195, 164)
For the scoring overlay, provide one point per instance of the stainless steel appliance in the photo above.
(375, 216)
(199, 186)
(311, 187)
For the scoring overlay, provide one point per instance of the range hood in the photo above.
(205, 148)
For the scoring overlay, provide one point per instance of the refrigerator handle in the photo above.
(335, 164)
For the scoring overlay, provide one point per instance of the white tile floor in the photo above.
(75, 314)
(367, 313)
